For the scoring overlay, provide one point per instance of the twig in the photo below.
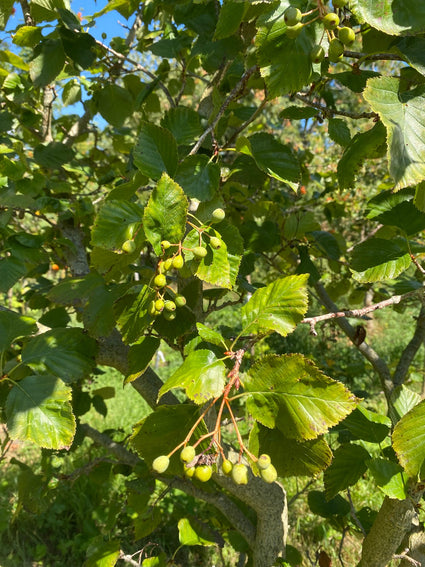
(341, 545)
(331, 112)
(354, 515)
(373, 56)
(128, 559)
(241, 128)
(233, 94)
(360, 313)
(300, 492)
(405, 557)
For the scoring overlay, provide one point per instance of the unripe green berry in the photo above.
(129, 246)
(189, 471)
(160, 464)
(227, 466)
(292, 16)
(269, 474)
(294, 31)
(152, 309)
(169, 315)
(187, 454)
(240, 473)
(160, 280)
(264, 461)
(317, 54)
(336, 50)
(170, 305)
(215, 242)
(339, 3)
(178, 262)
(200, 251)
(346, 35)
(165, 244)
(218, 215)
(167, 264)
(203, 473)
(331, 21)
(180, 300)
(159, 304)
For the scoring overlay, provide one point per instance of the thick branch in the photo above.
(411, 349)
(79, 127)
(49, 96)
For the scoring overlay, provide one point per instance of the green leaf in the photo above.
(278, 307)
(202, 375)
(409, 441)
(184, 123)
(133, 316)
(386, 201)
(320, 506)
(210, 335)
(290, 393)
(274, 158)
(378, 260)
(404, 215)
(49, 59)
(53, 155)
(140, 356)
(67, 353)
(155, 151)
(298, 113)
(188, 535)
(47, 10)
(11, 270)
(394, 17)
(116, 222)
(412, 49)
(347, 467)
(339, 132)
(71, 93)
(103, 554)
(403, 400)
(162, 430)
(165, 214)
(290, 457)
(282, 74)
(27, 36)
(13, 326)
(419, 200)
(79, 47)
(5, 12)
(389, 477)
(115, 104)
(199, 177)
(402, 113)
(364, 145)
(38, 409)
(367, 425)
(230, 18)
(327, 244)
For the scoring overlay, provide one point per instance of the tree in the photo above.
(197, 192)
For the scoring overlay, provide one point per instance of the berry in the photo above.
(317, 54)
(269, 474)
(264, 461)
(160, 464)
(165, 244)
(170, 306)
(240, 474)
(159, 305)
(129, 246)
(187, 454)
(180, 300)
(200, 252)
(169, 315)
(336, 50)
(339, 3)
(178, 262)
(346, 35)
(331, 21)
(227, 466)
(215, 242)
(189, 471)
(152, 309)
(203, 473)
(294, 31)
(55, 267)
(218, 215)
(292, 16)
(160, 280)
(167, 264)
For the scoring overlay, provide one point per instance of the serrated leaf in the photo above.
(320, 506)
(327, 244)
(165, 214)
(339, 132)
(202, 375)
(394, 17)
(290, 457)
(13, 326)
(210, 335)
(403, 400)
(47, 10)
(412, 48)
(49, 59)
(230, 18)
(278, 307)
(274, 158)
(199, 177)
(347, 467)
(402, 114)
(184, 123)
(385, 201)
(71, 93)
(38, 409)
(378, 260)
(389, 477)
(140, 356)
(53, 155)
(67, 353)
(155, 151)
(367, 425)
(162, 430)
(405, 216)
(27, 36)
(116, 222)
(133, 316)
(115, 104)
(103, 554)
(80, 46)
(188, 535)
(363, 146)
(290, 393)
(409, 440)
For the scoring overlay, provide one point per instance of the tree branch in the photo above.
(331, 112)
(411, 349)
(373, 56)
